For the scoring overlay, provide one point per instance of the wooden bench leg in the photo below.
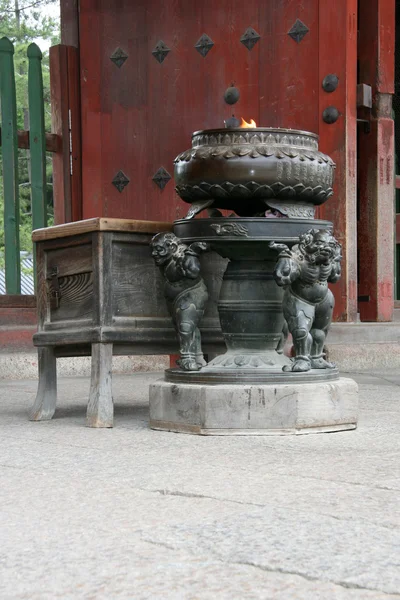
(46, 398)
(100, 410)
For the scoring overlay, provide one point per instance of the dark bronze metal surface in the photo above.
(231, 96)
(161, 177)
(250, 236)
(304, 272)
(330, 82)
(160, 51)
(250, 302)
(246, 169)
(118, 57)
(120, 181)
(185, 292)
(204, 45)
(298, 31)
(330, 115)
(250, 38)
(232, 122)
(272, 178)
(251, 376)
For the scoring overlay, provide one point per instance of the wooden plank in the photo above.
(376, 163)
(17, 301)
(10, 316)
(66, 123)
(37, 138)
(92, 55)
(70, 336)
(60, 126)
(100, 224)
(75, 305)
(288, 76)
(125, 126)
(46, 398)
(64, 326)
(100, 410)
(16, 338)
(74, 115)
(41, 286)
(53, 141)
(137, 282)
(10, 168)
(69, 261)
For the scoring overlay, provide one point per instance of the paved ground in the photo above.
(133, 513)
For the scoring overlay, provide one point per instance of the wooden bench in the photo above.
(99, 293)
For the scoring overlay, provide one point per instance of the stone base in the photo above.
(235, 409)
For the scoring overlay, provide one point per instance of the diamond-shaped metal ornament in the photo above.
(250, 38)
(298, 31)
(160, 51)
(120, 181)
(161, 177)
(118, 57)
(204, 45)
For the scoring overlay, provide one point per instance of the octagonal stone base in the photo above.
(234, 409)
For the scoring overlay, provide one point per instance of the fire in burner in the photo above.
(245, 125)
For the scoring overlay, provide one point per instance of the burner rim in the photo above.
(278, 130)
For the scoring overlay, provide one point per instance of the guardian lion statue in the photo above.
(185, 292)
(304, 272)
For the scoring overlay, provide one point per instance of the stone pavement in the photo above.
(134, 513)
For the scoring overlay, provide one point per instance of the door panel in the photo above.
(137, 117)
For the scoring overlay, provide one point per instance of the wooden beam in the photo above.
(53, 141)
(59, 125)
(376, 162)
(100, 224)
(66, 123)
(17, 301)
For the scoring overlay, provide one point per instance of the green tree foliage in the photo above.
(24, 21)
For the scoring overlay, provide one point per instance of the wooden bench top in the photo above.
(99, 224)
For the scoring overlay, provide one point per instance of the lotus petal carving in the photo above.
(251, 189)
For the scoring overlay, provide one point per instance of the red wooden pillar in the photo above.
(376, 162)
(338, 55)
(66, 122)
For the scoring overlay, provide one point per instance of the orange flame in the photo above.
(246, 125)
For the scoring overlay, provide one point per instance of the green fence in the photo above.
(11, 139)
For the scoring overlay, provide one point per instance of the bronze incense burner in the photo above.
(280, 258)
(254, 170)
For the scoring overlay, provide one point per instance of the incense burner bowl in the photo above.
(255, 170)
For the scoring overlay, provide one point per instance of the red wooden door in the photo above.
(138, 111)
